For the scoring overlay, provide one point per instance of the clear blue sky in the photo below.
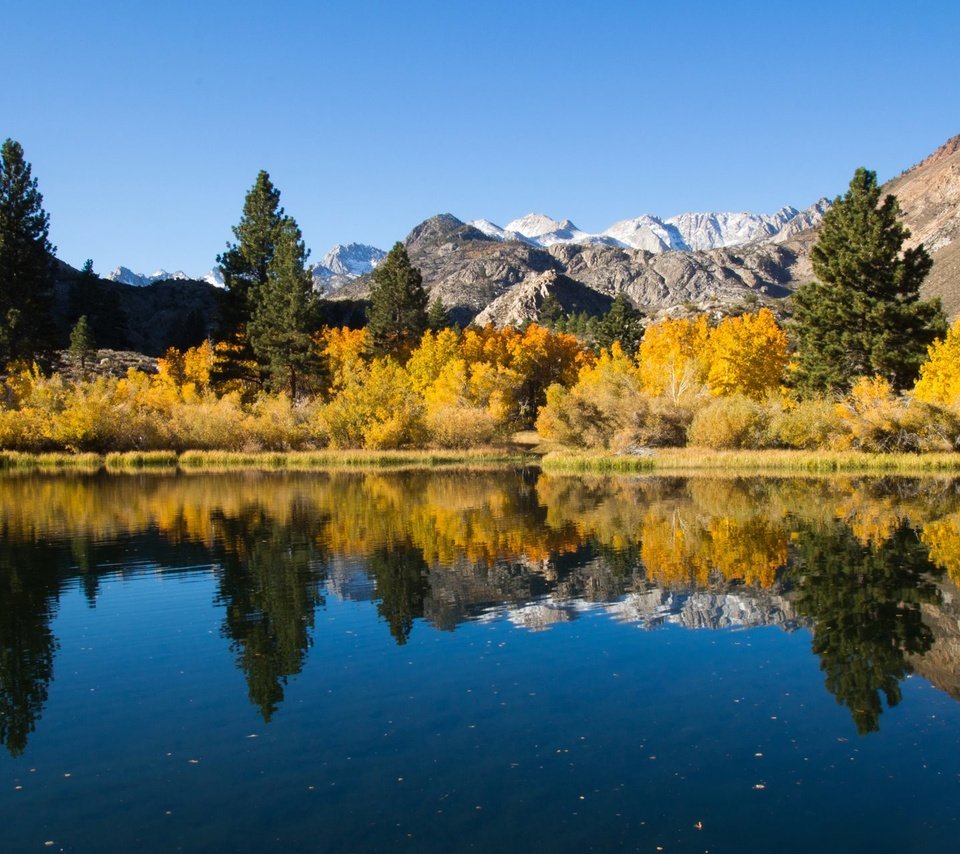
(146, 123)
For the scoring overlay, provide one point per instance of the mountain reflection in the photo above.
(860, 561)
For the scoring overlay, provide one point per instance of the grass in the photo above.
(139, 460)
(17, 461)
(339, 459)
(756, 462)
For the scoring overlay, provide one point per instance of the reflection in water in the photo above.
(864, 603)
(853, 559)
(271, 585)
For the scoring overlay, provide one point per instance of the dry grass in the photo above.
(756, 462)
(355, 459)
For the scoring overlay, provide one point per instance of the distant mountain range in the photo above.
(341, 264)
(686, 232)
(714, 262)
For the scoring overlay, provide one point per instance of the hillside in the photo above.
(490, 274)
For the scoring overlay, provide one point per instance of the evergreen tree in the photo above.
(551, 312)
(244, 264)
(864, 314)
(285, 313)
(26, 259)
(397, 317)
(622, 323)
(437, 317)
(81, 342)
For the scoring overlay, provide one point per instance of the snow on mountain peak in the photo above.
(537, 225)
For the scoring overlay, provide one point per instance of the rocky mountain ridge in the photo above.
(501, 275)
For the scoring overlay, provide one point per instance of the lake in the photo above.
(474, 660)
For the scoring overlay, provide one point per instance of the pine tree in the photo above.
(550, 312)
(864, 315)
(622, 323)
(82, 346)
(285, 314)
(26, 259)
(437, 317)
(397, 317)
(245, 263)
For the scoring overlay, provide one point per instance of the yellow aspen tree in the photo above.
(747, 355)
(673, 357)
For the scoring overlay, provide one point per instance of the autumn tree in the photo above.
(284, 313)
(673, 357)
(864, 314)
(939, 381)
(397, 316)
(748, 355)
(26, 259)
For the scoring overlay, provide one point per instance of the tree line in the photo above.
(861, 317)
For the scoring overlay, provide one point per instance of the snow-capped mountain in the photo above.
(345, 263)
(688, 231)
(339, 266)
(126, 276)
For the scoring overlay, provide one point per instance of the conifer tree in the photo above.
(82, 346)
(622, 323)
(437, 317)
(864, 315)
(397, 317)
(26, 259)
(244, 264)
(285, 314)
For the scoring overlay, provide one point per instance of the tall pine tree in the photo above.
(285, 314)
(864, 314)
(397, 317)
(26, 260)
(244, 264)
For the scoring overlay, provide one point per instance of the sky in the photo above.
(146, 123)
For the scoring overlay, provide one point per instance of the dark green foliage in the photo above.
(95, 299)
(437, 317)
(285, 314)
(863, 315)
(397, 316)
(270, 583)
(622, 323)
(26, 260)
(551, 312)
(865, 604)
(244, 264)
(82, 345)
(402, 578)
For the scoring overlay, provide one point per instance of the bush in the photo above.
(460, 426)
(730, 422)
(807, 425)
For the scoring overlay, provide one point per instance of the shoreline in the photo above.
(667, 461)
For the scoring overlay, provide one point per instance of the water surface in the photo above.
(459, 661)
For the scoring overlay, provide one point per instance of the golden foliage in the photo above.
(673, 357)
(747, 355)
(939, 381)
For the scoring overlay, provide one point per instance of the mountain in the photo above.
(929, 195)
(686, 232)
(126, 276)
(715, 262)
(344, 263)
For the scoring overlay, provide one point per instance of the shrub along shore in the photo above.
(661, 461)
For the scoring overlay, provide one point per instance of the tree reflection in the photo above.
(271, 584)
(864, 601)
(28, 598)
(402, 579)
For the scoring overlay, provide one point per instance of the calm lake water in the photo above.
(478, 661)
